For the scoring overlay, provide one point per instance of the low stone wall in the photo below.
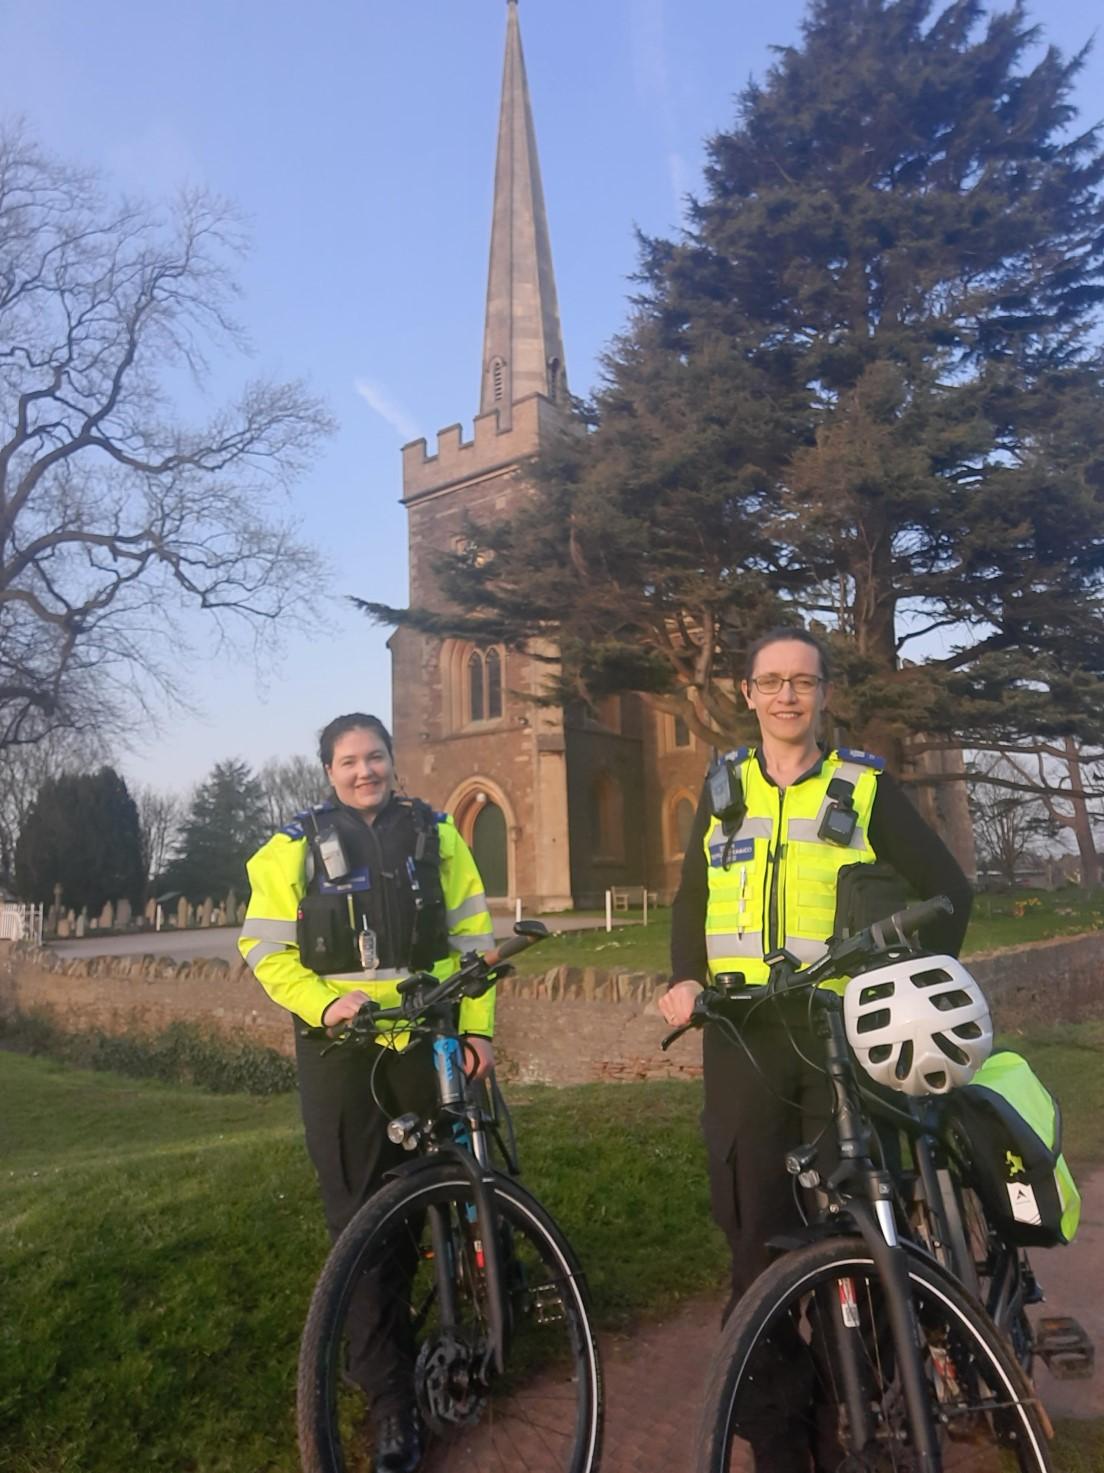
(573, 1025)
(570, 1026)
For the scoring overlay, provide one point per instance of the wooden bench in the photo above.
(625, 897)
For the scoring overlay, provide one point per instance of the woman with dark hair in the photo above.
(347, 900)
(780, 836)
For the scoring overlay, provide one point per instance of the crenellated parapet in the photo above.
(492, 447)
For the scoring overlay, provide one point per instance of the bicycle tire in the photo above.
(544, 1414)
(774, 1400)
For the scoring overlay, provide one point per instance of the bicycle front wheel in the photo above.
(811, 1337)
(381, 1330)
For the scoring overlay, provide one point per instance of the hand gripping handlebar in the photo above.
(884, 935)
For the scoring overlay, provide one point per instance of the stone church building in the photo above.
(557, 806)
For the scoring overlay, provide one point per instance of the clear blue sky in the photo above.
(358, 137)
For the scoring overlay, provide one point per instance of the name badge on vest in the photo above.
(736, 851)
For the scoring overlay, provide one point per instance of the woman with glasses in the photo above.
(782, 834)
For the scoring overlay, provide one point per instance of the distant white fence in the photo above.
(21, 923)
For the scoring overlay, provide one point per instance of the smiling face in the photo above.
(362, 771)
(787, 715)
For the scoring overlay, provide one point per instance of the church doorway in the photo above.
(488, 844)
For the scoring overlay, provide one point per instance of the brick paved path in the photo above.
(654, 1379)
(654, 1384)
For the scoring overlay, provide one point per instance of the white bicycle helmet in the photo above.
(918, 1024)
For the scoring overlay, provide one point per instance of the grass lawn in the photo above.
(158, 1244)
(997, 920)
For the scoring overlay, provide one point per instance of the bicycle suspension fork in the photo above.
(469, 1152)
(878, 1227)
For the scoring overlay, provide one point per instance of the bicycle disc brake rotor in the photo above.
(449, 1380)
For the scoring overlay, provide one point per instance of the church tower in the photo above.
(557, 806)
(466, 738)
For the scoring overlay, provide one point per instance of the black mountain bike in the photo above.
(857, 1349)
(487, 1289)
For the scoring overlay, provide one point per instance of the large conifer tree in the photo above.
(861, 388)
(81, 833)
(226, 821)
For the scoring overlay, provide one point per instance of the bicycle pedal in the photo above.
(1065, 1347)
(548, 1306)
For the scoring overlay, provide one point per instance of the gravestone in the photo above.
(183, 910)
(82, 923)
(122, 912)
(151, 911)
(205, 912)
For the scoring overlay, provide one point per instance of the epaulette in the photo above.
(296, 829)
(860, 759)
(738, 754)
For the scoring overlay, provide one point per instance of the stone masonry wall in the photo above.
(573, 1025)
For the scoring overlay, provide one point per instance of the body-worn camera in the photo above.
(331, 852)
(726, 793)
(839, 821)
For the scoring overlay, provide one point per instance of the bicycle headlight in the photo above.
(405, 1131)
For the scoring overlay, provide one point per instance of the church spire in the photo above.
(522, 343)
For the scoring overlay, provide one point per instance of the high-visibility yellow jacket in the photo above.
(772, 880)
(278, 877)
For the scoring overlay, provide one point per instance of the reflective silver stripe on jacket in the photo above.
(269, 930)
(475, 905)
(805, 949)
(256, 954)
(807, 830)
(754, 828)
(730, 943)
(481, 941)
(381, 974)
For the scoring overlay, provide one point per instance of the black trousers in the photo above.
(752, 1117)
(346, 1131)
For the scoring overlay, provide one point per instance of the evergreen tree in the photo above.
(225, 824)
(860, 390)
(82, 833)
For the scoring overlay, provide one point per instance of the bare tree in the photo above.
(115, 518)
(159, 818)
(291, 786)
(1007, 821)
(1060, 774)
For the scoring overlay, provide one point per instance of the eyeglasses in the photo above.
(801, 685)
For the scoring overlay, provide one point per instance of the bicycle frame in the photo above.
(874, 1218)
(429, 1005)
(858, 1189)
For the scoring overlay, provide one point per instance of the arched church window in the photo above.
(553, 378)
(493, 672)
(682, 733)
(684, 820)
(475, 686)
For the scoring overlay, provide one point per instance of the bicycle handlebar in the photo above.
(416, 1002)
(787, 974)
